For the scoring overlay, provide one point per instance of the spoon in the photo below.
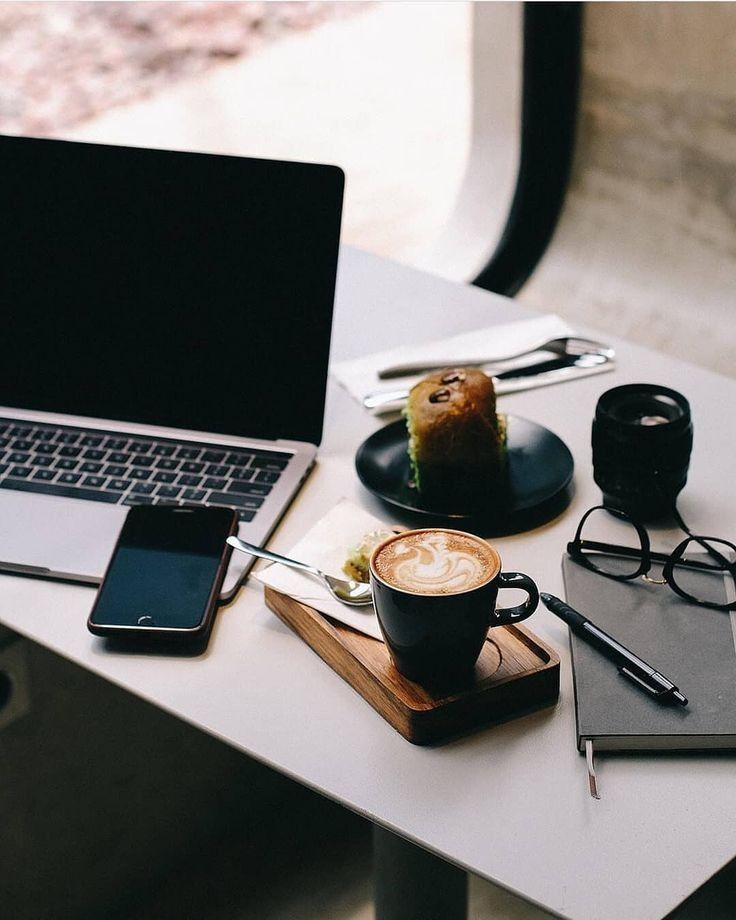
(347, 591)
(560, 345)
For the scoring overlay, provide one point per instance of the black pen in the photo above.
(629, 665)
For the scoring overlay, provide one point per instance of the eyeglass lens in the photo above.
(601, 528)
(703, 578)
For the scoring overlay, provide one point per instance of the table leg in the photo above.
(412, 884)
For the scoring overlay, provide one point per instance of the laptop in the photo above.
(166, 321)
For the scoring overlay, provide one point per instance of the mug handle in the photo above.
(506, 615)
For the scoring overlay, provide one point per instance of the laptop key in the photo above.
(90, 467)
(248, 488)
(20, 471)
(117, 456)
(3, 467)
(42, 460)
(96, 482)
(115, 443)
(266, 476)
(45, 475)
(139, 447)
(45, 448)
(137, 499)
(143, 488)
(15, 457)
(69, 478)
(140, 473)
(67, 437)
(164, 477)
(213, 456)
(214, 483)
(188, 453)
(166, 463)
(238, 459)
(217, 469)
(163, 450)
(188, 480)
(233, 499)
(20, 444)
(68, 451)
(91, 440)
(55, 488)
(273, 464)
(65, 464)
(191, 467)
(93, 454)
(193, 495)
(246, 516)
(115, 469)
(118, 485)
(168, 491)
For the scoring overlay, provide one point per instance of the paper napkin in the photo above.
(360, 376)
(327, 546)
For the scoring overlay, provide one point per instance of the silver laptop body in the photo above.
(167, 303)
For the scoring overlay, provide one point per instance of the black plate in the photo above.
(540, 474)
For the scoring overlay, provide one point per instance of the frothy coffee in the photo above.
(435, 562)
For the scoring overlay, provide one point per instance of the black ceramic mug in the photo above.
(435, 592)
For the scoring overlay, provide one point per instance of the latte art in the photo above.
(436, 562)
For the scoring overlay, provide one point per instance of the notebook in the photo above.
(166, 326)
(693, 646)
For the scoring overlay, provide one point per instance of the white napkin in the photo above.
(327, 546)
(360, 376)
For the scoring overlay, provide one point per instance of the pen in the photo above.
(629, 665)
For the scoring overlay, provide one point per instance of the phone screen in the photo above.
(164, 568)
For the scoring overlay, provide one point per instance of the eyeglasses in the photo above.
(691, 570)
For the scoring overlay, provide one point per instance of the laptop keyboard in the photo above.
(107, 466)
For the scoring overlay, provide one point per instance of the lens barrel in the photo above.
(642, 439)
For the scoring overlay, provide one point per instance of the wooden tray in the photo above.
(516, 672)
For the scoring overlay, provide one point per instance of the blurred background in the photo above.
(420, 103)
(382, 89)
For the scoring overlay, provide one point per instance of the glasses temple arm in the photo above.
(630, 552)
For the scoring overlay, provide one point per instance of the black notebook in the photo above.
(695, 647)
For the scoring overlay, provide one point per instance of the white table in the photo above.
(510, 802)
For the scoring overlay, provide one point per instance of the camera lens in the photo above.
(642, 438)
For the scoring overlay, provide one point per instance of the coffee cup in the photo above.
(435, 592)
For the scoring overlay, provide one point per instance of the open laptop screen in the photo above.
(180, 289)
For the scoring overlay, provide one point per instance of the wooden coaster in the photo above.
(516, 672)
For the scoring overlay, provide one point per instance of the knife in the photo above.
(539, 374)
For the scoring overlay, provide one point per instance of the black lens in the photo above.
(705, 577)
(642, 438)
(610, 545)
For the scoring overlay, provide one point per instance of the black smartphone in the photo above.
(165, 574)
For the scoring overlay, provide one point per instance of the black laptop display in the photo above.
(185, 290)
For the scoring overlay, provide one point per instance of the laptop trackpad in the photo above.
(71, 539)
(74, 538)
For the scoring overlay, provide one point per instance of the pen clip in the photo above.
(625, 672)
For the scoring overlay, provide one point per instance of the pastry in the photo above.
(356, 565)
(457, 442)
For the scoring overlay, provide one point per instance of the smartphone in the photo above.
(165, 574)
